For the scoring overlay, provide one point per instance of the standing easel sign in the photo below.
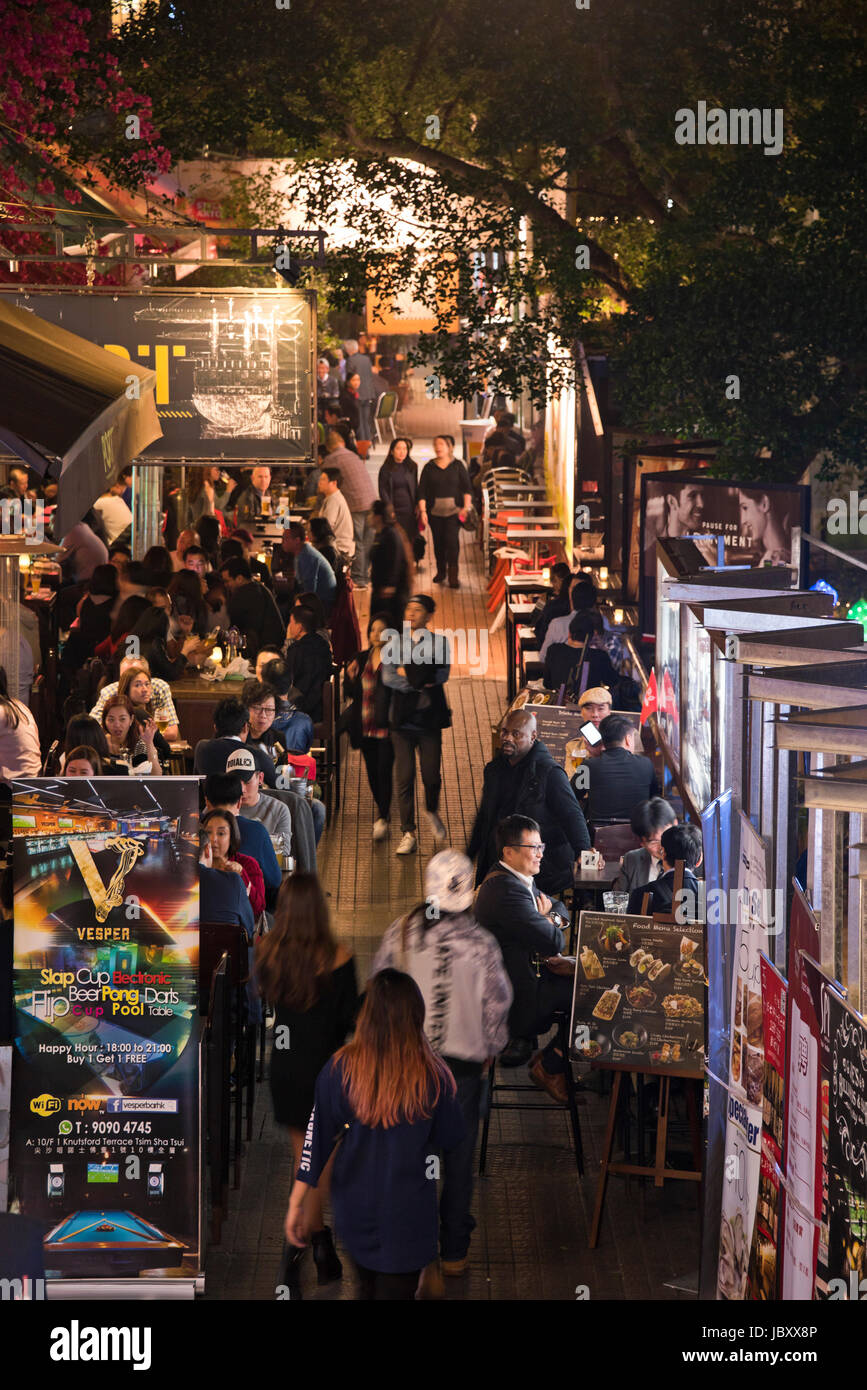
(640, 1005)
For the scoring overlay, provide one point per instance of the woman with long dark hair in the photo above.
(444, 499)
(310, 980)
(84, 730)
(19, 736)
(398, 483)
(389, 1102)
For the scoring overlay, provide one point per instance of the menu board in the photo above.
(640, 999)
(762, 1279)
(847, 1150)
(746, 1069)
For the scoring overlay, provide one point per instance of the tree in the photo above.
(528, 154)
(64, 104)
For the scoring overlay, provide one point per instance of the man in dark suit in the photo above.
(524, 779)
(680, 843)
(529, 928)
(619, 779)
(251, 607)
(644, 865)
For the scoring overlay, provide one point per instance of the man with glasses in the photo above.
(529, 928)
(523, 779)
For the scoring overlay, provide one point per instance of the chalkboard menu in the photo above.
(640, 999)
(557, 725)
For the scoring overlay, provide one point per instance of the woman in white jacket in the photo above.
(459, 969)
(19, 736)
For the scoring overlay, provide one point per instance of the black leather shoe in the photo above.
(517, 1053)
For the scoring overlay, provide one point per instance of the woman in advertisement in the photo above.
(767, 528)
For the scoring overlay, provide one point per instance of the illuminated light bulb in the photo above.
(24, 562)
(618, 617)
(217, 655)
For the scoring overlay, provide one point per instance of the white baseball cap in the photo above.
(449, 880)
(242, 762)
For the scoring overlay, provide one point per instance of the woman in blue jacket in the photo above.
(389, 1103)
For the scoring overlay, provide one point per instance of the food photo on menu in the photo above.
(640, 993)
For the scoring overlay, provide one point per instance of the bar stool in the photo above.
(562, 1021)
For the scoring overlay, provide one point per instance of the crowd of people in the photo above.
(382, 1092)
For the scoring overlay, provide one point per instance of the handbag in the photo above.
(471, 520)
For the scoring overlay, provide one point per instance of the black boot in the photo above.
(291, 1275)
(439, 577)
(454, 582)
(328, 1266)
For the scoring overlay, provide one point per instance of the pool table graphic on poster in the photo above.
(118, 1242)
(106, 993)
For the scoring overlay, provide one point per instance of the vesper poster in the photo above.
(105, 1088)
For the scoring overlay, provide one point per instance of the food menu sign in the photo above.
(105, 1087)
(640, 997)
(746, 1069)
(847, 1150)
(763, 1261)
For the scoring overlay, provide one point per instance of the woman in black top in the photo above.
(322, 539)
(94, 618)
(310, 980)
(398, 484)
(444, 498)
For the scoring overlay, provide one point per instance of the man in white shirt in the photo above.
(113, 512)
(270, 810)
(332, 505)
(356, 486)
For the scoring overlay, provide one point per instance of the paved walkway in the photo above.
(532, 1211)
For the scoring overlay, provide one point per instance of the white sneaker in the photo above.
(380, 829)
(408, 844)
(440, 833)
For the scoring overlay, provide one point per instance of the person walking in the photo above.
(310, 981)
(366, 719)
(398, 484)
(416, 667)
(445, 500)
(390, 1105)
(524, 779)
(458, 966)
(359, 494)
(390, 563)
(359, 364)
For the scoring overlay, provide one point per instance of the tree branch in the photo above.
(506, 191)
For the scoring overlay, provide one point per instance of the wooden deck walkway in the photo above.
(367, 884)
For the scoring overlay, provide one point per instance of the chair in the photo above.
(326, 748)
(615, 839)
(218, 939)
(386, 409)
(562, 1021)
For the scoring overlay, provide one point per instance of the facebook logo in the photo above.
(114, 1106)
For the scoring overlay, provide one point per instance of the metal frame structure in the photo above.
(124, 250)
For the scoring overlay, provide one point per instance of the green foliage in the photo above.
(556, 131)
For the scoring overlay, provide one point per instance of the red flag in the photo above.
(649, 705)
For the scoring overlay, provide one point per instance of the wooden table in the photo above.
(595, 881)
(534, 533)
(515, 612)
(195, 701)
